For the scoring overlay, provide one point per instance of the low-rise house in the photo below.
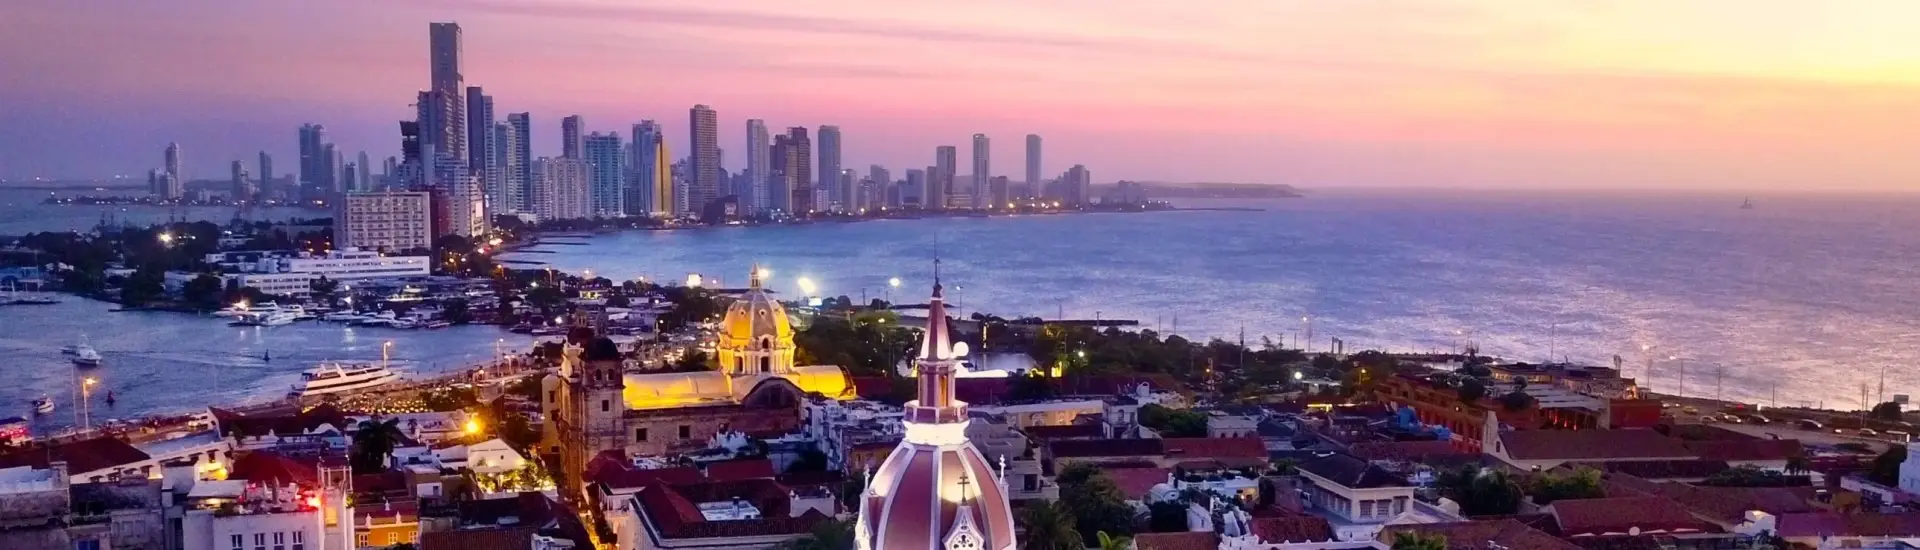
(1768, 454)
(740, 514)
(1835, 530)
(90, 460)
(41, 508)
(1359, 499)
(1624, 517)
(1506, 534)
(529, 520)
(314, 431)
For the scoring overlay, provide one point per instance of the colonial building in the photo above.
(593, 405)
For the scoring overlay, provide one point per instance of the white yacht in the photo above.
(346, 316)
(243, 309)
(338, 377)
(43, 405)
(87, 357)
(273, 319)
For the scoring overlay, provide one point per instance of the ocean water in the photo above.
(21, 211)
(1807, 298)
(1802, 300)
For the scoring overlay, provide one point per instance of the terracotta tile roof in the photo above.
(1748, 450)
(1135, 483)
(83, 456)
(1729, 505)
(823, 478)
(1272, 530)
(671, 512)
(1819, 524)
(1352, 472)
(1080, 448)
(1404, 451)
(271, 467)
(631, 478)
(1215, 447)
(1619, 516)
(1070, 431)
(1205, 540)
(517, 538)
(1591, 445)
(284, 422)
(736, 470)
(1506, 533)
(1702, 432)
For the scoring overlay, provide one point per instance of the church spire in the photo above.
(753, 279)
(936, 365)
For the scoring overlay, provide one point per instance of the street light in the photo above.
(806, 286)
(1682, 392)
(385, 348)
(86, 390)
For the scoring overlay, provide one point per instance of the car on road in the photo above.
(1805, 424)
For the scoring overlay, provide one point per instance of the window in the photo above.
(606, 405)
(553, 396)
(299, 540)
(393, 538)
(86, 545)
(639, 434)
(239, 542)
(259, 541)
(360, 541)
(686, 432)
(1366, 508)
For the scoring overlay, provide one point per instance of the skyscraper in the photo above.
(649, 183)
(520, 161)
(704, 153)
(572, 135)
(828, 191)
(336, 171)
(1034, 190)
(173, 162)
(945, 161)
(799, 171)
(759, 167)
(265, 189)
(1076, 185)
(241, 192)
(779, 186)
(607, 157)
(312, 178)
(504, 198)
(882, 182)
(981, 172)
(668, 195)
(364, 179)
(915, 192)
(483, 151)
(444, 118)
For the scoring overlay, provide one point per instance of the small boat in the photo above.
(85, 356)
(238, 310)
(1747, 204)
(342, 317)
(74, 349)
(43, 405)
(110, 399)
(338, 377)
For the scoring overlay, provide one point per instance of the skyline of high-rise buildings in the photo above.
(457, 139)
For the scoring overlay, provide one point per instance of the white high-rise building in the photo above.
(828, 192)
(981, 171)
(915, 192)
(562, 189)
(759, 167)
(483, 150)
(387, 220)
(466, 207)
(503, 198)
(882, 181)
(604, 152)
(1034, 190)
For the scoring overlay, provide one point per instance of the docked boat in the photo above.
(43, 405)
(85, 356)
(338, 377)
(381, 319)
(342, 317)
(300, 313)
(274, 319)
(243, 309)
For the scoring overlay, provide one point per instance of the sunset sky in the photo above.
(1691, 94)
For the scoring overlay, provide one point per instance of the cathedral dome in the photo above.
(936, 491)
(755, 318)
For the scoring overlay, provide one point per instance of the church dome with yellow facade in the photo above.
(756, 336)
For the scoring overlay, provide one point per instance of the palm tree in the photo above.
(1049, 527)
(1797, 465)
(1409, 540)
(373, 442)
(1110, 542)
(826, 535)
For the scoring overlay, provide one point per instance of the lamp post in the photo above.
(1308, 320)
(385, 348)
(1646, 350)
(86, 391)
(1683, 375)
(892, 283)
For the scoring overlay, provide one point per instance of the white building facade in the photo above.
(388, 220)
